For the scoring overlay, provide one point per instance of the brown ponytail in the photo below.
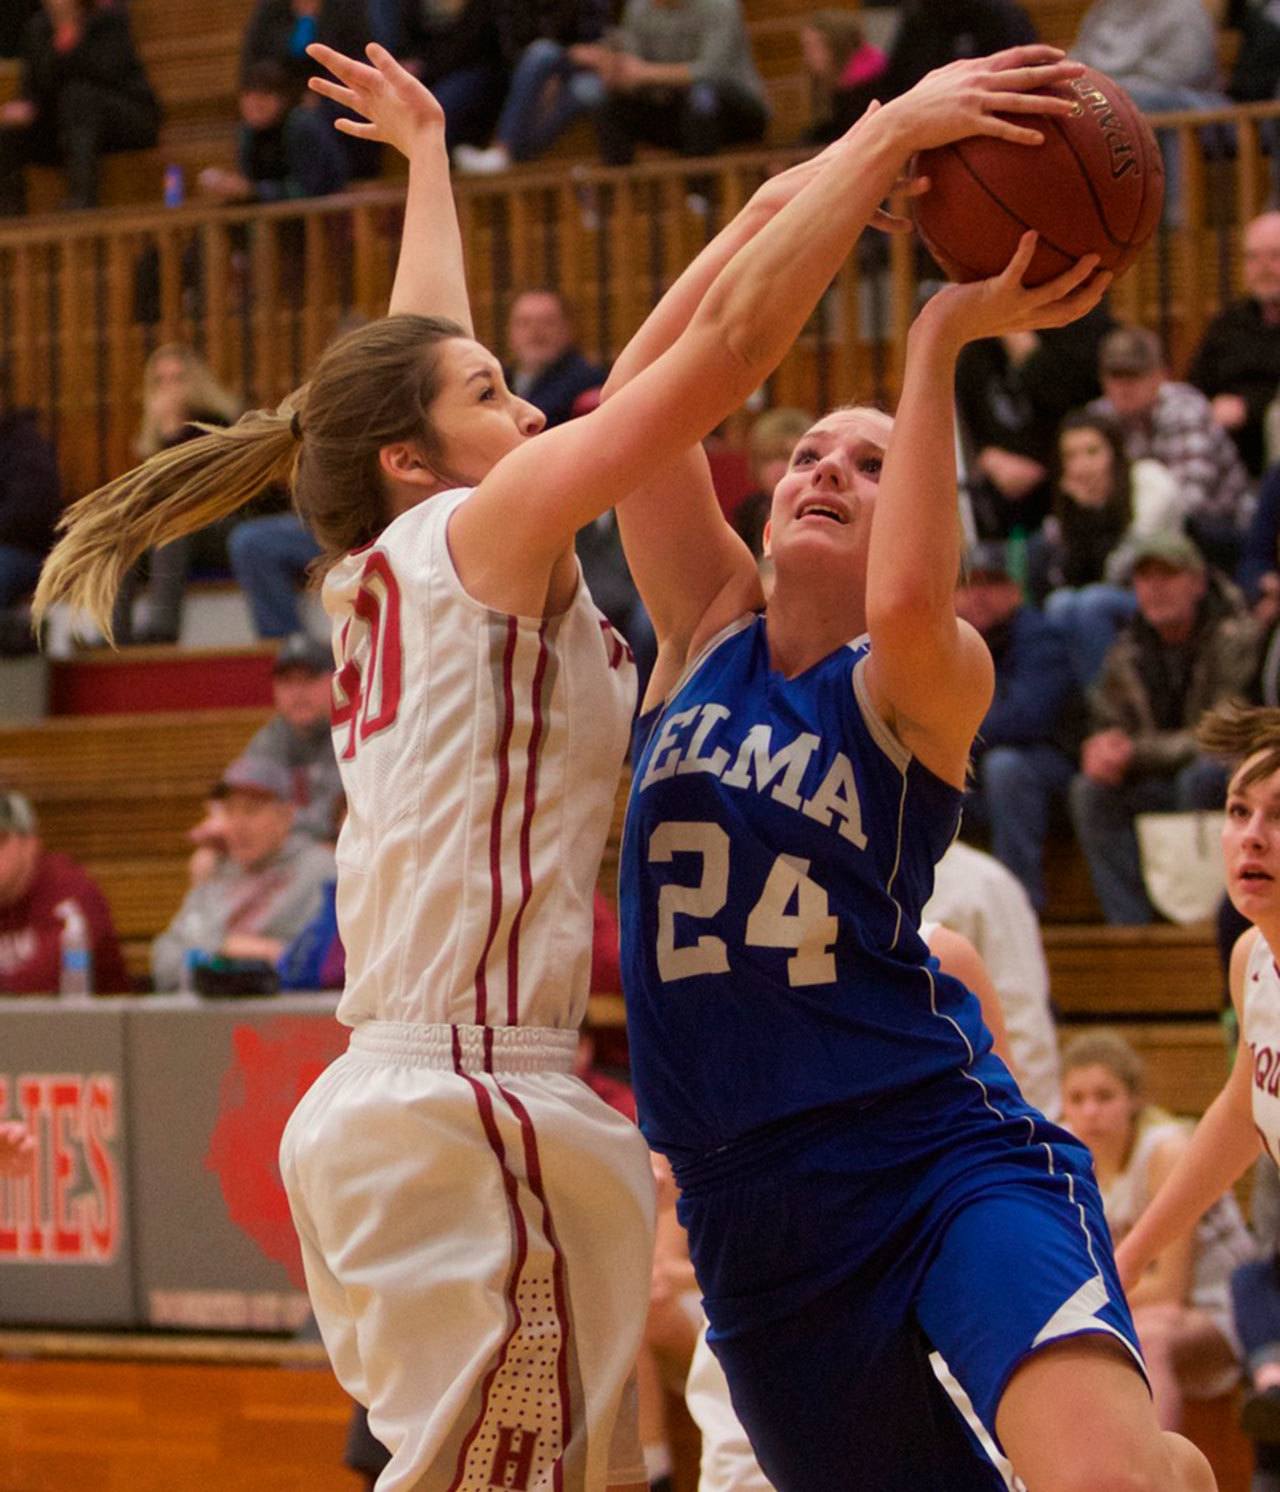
(1236, 732)
(370, 389)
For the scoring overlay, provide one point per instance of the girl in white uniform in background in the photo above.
(475, 1224)
(1244, 1119)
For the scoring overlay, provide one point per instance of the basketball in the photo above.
(1096, 186)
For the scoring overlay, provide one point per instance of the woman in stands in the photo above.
(1182, 1304)
(475, 1223)
(180, 393)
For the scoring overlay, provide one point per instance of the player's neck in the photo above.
(806, 624)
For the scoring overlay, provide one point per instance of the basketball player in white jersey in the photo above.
(1244, 1119)
(475, 1223)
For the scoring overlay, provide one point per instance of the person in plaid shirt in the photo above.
(1173, 423)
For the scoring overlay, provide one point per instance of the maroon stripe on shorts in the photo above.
(533, 1171)
(484, 1102)
(526, 828)
(502, 759)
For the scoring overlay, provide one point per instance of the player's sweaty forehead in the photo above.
(854, 427)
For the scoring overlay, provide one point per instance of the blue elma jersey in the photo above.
(779, 845)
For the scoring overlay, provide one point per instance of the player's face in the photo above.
(254, 826)
(823, 505)
(476, 417)
(1098, 1108)
(1088, 464)
(1251, 844)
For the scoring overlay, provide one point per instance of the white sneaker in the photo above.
(472, 161)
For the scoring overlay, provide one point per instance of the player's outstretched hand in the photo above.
(970, 97)
(778, 190)
(16, 1148)
(397, 108)
(995, 307)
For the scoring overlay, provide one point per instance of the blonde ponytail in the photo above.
(174, 492)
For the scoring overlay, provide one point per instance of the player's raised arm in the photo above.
(929, 673)
(754, 309)
(398, 110)
(1225, 1144)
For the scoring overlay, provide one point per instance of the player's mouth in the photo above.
(1252, 874)
(821, 510)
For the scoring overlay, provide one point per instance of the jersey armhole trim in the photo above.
(739, 624)
(881, 733)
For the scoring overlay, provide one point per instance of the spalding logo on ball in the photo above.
(1096, 186)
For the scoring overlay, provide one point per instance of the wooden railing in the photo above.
(259, 291)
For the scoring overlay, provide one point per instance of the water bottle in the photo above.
(1017, 560)
(75, 976)
(175, 191)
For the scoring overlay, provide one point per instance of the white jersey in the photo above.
(1261, 1035)
(480, 755)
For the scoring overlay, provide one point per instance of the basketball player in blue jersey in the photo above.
(905, 1267)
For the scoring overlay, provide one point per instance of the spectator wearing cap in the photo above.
(267, 887)
(298, 739)
(1025, 751)
(1237, 364)
(39, 891)
(1190, 646)
(1173, 423)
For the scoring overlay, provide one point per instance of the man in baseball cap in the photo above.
(263, 891)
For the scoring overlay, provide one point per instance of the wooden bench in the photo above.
(1098, 972)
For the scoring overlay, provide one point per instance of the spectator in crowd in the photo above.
(40, 892)
(14, 18)
(548, 89)
(1255, 1299)
(1181, 1305)
(299, 739)
(285, 149)
(269, 558)
(977, 897)
(770, 442)
(545, 364)
(1173, 423)
(179, 392)
(1259, 569)
(1256, 74)
(1012, 393)
(84, 92)
(457, 49)
(930, 35)
(1237, 364)
(279, 32)
(266, 889)
(679, 74)
(1102, 503)
(843, 66)
(1025, 752)
(1190, 646)
(1163, 52)
(30, 502)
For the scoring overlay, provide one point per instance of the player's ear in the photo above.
(404, 462)
(766, 538)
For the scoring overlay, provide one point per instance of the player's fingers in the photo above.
(1035, 55)
(335, 91)
(357, 127)
(911, 186)
(1030, 103)
(1018, 265)
(1071, 280)
(1005, 129)
(1023, 79)
(349, 69)
(890, 222)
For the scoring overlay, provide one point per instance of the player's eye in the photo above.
(803, 456)
(871, 466)
(488, 392)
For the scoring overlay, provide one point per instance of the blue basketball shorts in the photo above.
(872, 1287)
